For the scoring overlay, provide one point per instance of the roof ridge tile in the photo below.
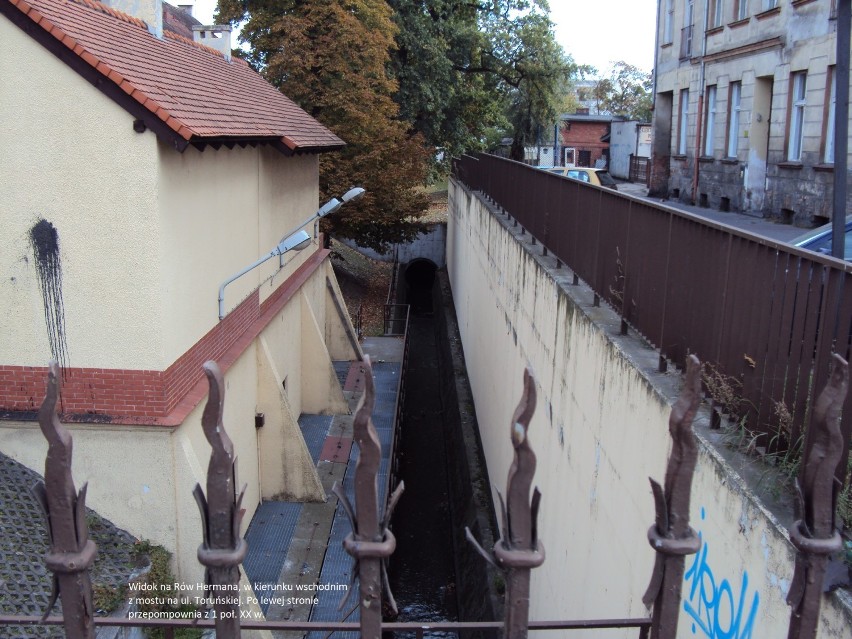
(184, 40)
(115, 13)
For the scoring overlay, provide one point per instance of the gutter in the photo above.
(700, 114)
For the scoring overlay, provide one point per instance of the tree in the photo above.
(626, 92)
(330, 57)
(465, 68)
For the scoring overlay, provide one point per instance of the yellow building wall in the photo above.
(86, 171)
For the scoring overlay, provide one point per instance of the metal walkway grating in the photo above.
(268, 538)
(315, 429)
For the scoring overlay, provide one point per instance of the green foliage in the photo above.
(399, 80)
(470, 73)
(331, 58)
(161, 576)
(108, 598)
(626, 92)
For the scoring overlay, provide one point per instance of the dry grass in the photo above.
(364, 282)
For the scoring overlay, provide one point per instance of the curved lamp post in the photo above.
(295, 240)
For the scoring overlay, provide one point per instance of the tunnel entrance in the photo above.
(419, 281)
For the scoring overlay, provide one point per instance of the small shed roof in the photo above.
(185, 92)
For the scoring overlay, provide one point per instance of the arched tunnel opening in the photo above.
(419, 281)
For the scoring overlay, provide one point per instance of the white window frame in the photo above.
(716, 9)
(799, 88)
(735, 93)
(683, 121)
(769, 4)
(742, 10)
(668, 22)
(709, 124)
(828, 157)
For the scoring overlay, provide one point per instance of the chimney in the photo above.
(149, 11)
(215, 36)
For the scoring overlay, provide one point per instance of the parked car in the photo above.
(819, 240)
(598, 177)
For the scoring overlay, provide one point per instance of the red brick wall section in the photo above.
(586, 136)
(181, 376)
(95, 393)
(109, 395)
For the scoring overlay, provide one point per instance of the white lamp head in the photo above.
(295, 242)
(329, 207)
(353, 194)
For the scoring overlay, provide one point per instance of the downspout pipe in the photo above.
(841, 127)
(700, 114)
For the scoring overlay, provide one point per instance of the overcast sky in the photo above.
(598, 32)
(595, 32)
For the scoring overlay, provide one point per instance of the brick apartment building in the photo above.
(584, 138)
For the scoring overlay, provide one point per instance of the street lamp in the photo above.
(295, 240)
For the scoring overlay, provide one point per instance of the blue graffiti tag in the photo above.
(714, 609)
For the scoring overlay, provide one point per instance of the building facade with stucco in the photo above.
(141, 170)
(744, 106)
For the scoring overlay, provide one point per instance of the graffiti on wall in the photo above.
(718, 609)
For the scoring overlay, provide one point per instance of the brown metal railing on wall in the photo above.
(765, 316)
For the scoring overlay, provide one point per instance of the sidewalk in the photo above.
(295, 546)
(746, 222)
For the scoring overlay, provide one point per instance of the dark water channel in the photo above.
(422, 572)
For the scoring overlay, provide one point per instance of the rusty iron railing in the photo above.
(396, 318)
(676, 279)
(814, 533)
(670, 535)
(222, 548)
(519, 550)
(71, 551)
(371, 542)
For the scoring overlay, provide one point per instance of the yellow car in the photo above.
(598, 177)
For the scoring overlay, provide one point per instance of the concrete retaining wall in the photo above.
(600, 430)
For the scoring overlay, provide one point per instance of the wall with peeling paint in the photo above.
(600, 430)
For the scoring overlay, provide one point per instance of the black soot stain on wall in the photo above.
(44, 240)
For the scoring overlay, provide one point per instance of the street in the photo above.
(759, 226)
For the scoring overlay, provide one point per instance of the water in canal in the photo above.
(422, 570)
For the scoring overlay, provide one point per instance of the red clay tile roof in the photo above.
(185, 92)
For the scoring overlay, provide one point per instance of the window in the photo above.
(769, 4)
(709, 120)
(682, 122)
(715, 14)
(831, 89)
(686, 32)
(797, 116)
(668, 22)
(734, 92)
(740, 9)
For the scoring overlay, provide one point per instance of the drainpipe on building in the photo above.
(700, 103)
(841, 127)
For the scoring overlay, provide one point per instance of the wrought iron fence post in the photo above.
(223, 549)
(520, 550)
(71, 551)
(814, 533)
(671, 536)
(370, 543)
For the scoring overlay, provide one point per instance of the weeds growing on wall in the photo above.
(161, 576)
